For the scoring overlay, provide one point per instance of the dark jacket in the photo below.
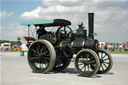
(41, 32)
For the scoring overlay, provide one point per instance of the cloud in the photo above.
(110, 18)
(61, 2)
(51, 11)
(84, 2)
(5, 14)
(12, 31)
(60, 8)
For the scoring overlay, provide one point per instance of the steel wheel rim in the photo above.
(85, 68)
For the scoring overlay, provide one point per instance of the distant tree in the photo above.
(19, 41)
(12, 42)
(18, 38)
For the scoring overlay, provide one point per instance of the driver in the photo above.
(41, 31)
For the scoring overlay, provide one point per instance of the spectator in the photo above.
(105, 47)
(120, 47)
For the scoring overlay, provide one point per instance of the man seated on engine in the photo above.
(41, 31)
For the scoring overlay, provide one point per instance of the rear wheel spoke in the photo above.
(82, 68)
(44, 53)
(85, 68)
(34, 51)
(34, 58)
(46, 58)
(92, 62)
(81, 64)
(40, 65)
(37, 49)
(38, 46)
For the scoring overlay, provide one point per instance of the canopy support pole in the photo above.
(28, 34)
(36, 33)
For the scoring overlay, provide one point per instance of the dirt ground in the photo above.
(16, 71)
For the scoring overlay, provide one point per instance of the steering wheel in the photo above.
(63, 32)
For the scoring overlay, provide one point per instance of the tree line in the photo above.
(12, 42)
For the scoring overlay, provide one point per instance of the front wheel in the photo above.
(84, 60)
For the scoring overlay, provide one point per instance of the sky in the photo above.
(110, 18)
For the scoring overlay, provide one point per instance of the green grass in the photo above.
(119, 52)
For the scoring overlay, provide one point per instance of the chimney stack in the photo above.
(91, 25)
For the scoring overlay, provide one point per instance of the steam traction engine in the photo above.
(54, 51)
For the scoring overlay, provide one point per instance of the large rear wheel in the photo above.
(85, 58)
(41, 56)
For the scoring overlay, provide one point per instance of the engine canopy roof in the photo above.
(48, 23)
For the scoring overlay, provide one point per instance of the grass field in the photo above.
(119, 52)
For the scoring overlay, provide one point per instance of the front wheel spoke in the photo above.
(106, 62)
(102, 67)
(105, 59)
(101, 54)
(105, 65)
(88, 67)
(99, 67)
